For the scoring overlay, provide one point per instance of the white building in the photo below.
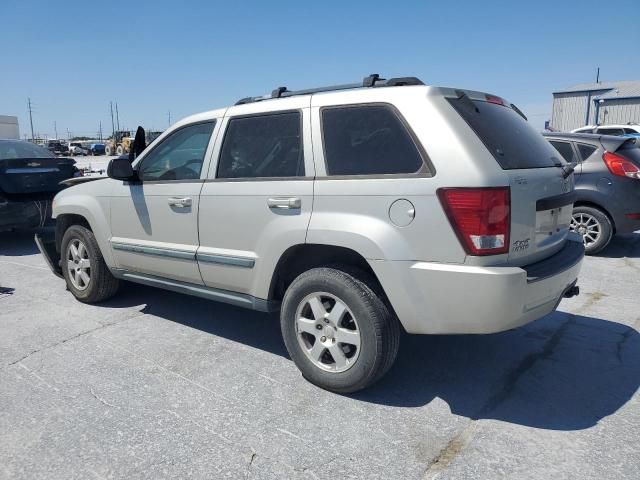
(9, 127)
(596, 103)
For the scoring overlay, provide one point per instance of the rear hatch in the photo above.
(34, 175)
(540, 182)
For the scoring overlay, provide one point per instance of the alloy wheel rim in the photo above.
(588, 226)
(327, 332)
(78, 264)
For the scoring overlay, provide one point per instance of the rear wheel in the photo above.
(88, 277)
(339, 333)
(119, 150)
(594, 226)
(108, 150)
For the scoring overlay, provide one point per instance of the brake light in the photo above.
(620, 166)
(494, 99)
(481, 217)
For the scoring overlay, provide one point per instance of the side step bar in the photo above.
(47, 246)
(225, 296)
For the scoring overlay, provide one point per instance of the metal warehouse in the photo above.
(599, 103)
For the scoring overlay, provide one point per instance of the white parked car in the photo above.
(77, 149)
(355, 211)
(631, 129)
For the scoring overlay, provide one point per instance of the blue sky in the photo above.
(73, 57)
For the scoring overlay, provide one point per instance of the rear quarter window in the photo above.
(368, 140)
(512, 141)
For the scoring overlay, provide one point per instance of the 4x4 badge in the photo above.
(520, 245)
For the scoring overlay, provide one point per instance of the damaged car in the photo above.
(30, 177)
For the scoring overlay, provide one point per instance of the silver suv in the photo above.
(354, 210)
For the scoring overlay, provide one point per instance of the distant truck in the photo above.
(9, 129)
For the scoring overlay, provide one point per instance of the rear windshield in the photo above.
(631, 152)
(511, 140)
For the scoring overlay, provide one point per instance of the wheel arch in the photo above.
(302, 257)
(597, 206)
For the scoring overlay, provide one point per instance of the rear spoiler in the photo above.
(612, 143)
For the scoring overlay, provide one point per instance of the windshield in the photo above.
(19, 149)
(512, 141)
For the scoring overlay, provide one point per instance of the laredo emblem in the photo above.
(520, 245)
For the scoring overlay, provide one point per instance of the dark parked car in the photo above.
(30, 177)
(607, 184)
(57, 147)
(96, 149)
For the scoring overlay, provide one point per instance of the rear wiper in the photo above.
(567, 169)
(519, 112)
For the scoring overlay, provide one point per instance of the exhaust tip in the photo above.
(572, 292)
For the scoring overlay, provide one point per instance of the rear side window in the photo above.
(368, 140)
(586, 150)
(512, 141)
(262, 146)
(631, 131)
(610, 131)
(565, 149)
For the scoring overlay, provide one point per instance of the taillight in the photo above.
(620, 166)
(480, 217)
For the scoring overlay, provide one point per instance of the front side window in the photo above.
(565, 149)
(368, 140)
(179, 156)
(262, 146)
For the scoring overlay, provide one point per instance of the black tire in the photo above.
(603, 223)
(379, 329)
(102, 284)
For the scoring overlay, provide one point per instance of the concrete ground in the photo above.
(157, 385)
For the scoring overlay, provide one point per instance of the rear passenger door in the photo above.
(568, 152)
(257, 200)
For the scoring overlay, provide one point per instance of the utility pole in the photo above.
(100, 130)
(30, 118)
(169, 114)
(113, 127)
(55, 128)
(598, 76)
(68, 134)
(117, 117)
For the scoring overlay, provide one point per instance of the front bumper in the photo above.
(437, 298)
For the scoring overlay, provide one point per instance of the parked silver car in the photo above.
(355, 210)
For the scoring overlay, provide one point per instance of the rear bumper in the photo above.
(436, 298)
(19, 215)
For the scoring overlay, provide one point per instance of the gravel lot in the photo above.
(157, 385)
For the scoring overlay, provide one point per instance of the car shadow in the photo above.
(625, 245)
(562, 372)
(18, 243)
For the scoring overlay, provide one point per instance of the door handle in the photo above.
(284, 203)
(180, 202)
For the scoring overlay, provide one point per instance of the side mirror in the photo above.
(121, 169)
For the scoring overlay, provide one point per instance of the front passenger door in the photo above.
(154, 222)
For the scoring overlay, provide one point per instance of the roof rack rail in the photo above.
(370, 81)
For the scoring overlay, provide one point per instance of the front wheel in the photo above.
(339, 333)
(594, 226)
(88, 277)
